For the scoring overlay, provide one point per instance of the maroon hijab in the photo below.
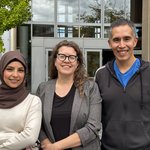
(10, 97)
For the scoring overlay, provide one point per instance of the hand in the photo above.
(44, 143)
(50, 146)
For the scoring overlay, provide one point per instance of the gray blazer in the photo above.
(85, 116)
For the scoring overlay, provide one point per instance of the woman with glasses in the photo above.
(20, 111)
(71, 103)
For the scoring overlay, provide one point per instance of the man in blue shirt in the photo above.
(124, 84)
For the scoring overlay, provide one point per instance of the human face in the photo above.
(14, 74)
(66, 67)
(122, 43)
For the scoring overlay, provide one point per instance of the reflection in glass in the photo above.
(67, 31)
(61, 18)
(114, 9)
(90, 31)
(93, 62)
(106, 32)
(67, 11)
(90, 11)
(43, 11)
(42, 30)
(139, 35)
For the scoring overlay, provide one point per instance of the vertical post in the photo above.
(13, 39)
(146, 30)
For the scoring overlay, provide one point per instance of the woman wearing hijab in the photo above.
(71, 103)
(20, 111)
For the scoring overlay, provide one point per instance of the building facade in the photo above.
(84, 21)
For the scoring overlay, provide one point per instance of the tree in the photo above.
(95, 15)
(111, 12)
(13, 13)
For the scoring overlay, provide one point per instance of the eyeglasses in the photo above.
(71, 58)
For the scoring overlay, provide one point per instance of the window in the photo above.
(43, 11)
(93, 61)
(42, 30)
(90, 31)
(139, 34)
(67, 31)
(67, 11)
(90, 11)
(114, 9)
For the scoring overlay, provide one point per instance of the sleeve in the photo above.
(42, 134)
(93, 126)
(29, 135)
(40, 93)
(102, 78)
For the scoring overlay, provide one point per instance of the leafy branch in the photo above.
(13, 13)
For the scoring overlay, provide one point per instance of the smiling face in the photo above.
(122, 43)
(14, 74)
(66, 67)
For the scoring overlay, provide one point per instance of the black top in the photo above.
(61, 114)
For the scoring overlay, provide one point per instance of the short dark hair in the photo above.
(120, 22)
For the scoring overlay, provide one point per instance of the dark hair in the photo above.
(121, 22)
(80, 75)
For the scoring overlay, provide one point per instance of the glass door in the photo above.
(93, 61)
